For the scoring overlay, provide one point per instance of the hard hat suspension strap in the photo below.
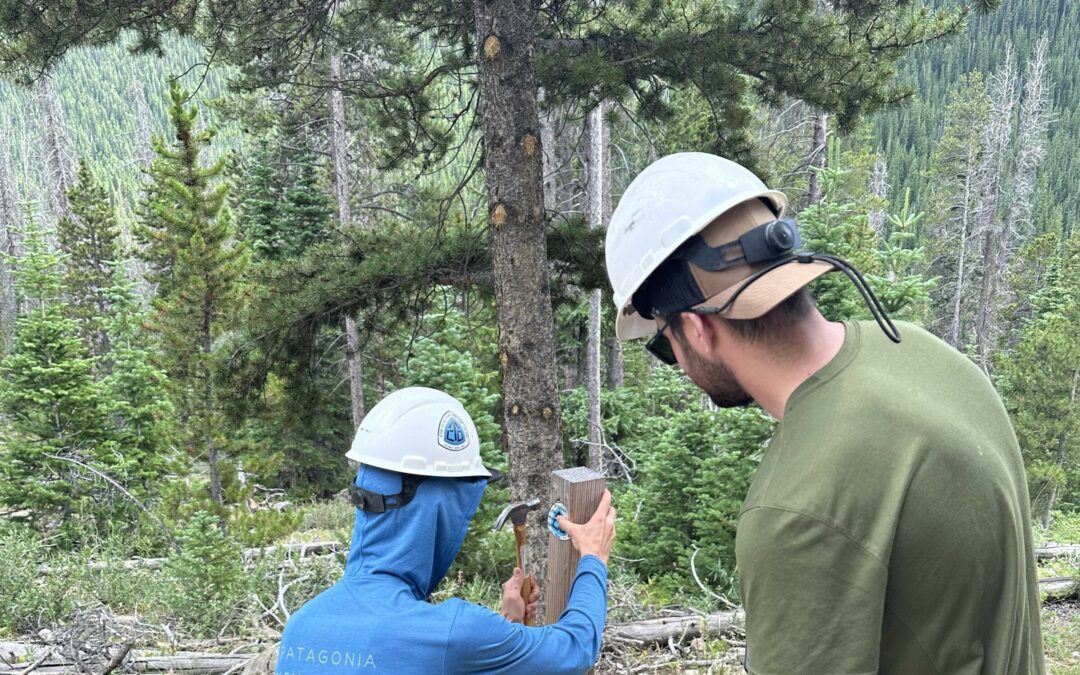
(373, 502)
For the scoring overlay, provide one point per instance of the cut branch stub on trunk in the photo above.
(531, 422)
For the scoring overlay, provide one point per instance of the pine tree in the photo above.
(54, 441)
(136, 391)
(283, 208)
(259, 200)
(305, 209)
(954, 200)
(1040, 374)
(88, 237)
(180, 195)
(189, 239)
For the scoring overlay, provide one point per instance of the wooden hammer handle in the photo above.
(526, 583)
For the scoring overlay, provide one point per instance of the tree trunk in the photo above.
(817, 157)
(879, 187)
(512, 163)
(550, 160)
(984, 312)
(339, 150)
(208, 403)
(596, 185)
(680, 628)
(616, 374)
(10, 221)
(958, 291)
(356, 375)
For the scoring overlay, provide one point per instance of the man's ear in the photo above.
(700, 333)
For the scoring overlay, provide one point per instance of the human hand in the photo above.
(596, 536)
(513, 605)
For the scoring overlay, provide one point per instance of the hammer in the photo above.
(516, 512)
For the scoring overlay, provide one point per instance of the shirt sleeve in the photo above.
(482, 641)
(813, 596)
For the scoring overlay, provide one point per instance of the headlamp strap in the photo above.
(762, 243)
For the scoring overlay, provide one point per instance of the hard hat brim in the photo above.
(436, 472)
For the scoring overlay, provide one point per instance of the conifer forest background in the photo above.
(227, 229)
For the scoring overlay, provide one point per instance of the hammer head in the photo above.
(516, 512)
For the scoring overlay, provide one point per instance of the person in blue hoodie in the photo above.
(419, 484)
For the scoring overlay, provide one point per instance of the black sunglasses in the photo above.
(660, 346)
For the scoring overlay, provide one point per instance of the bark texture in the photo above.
(512, 163)
(597, 184)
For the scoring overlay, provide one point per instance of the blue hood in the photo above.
(415, 543)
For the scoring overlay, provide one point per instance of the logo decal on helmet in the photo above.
(452, 434)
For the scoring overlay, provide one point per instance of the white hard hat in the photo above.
(419, 431)
(673, 199)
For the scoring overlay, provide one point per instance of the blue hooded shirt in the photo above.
(377, 618)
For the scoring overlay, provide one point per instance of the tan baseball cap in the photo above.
(763, 293)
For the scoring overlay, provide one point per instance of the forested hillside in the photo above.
(210, 272)
(109, 103)
(907, 135)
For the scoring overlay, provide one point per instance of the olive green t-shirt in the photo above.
(888, 527)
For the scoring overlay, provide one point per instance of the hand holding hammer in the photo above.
(517, 513)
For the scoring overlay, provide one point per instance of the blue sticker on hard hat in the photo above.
(452, 433)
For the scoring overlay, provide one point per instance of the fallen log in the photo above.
(1060, 587)
(652, 631)
(1052, 550)
(301, 550)
(181, 663)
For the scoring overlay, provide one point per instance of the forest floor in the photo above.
(93, 600)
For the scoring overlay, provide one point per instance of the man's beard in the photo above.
(716, 380)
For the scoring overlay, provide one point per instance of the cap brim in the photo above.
(768, 290)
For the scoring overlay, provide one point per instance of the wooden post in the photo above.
(579, 489)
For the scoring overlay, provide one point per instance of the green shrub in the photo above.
(207, 583)
(264, 527)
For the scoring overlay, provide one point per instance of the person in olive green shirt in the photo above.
(887, 529)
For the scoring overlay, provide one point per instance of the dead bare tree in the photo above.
(598, 183)
(1030, 142)
(1007, 180)
(817, 157)
(879, 188)
(992, 183)
(59, 157)
(10, 223)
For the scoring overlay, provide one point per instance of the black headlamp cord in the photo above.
(872, 303)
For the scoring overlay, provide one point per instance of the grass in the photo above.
(171, 603)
